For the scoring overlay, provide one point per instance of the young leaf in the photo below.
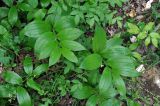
(23, 97)
(83, 92)
(72, 45)
(92, 101)
(155, 42)
(91, 62)
(40, 69)
(12, 77)
(154, 35)
(133, 29)
(36, 28)
(147, 41)
(34, 85)
(142, 35)
(69, 34)
(69, 55)
(99, 40)
(55, 55)
(149, 26)
(12, 15)
(105, 81)
(28, 65)
(119, 84)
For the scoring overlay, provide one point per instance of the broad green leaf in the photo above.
(99, 40)
(142, 35)
(44, 45)
(23, 97)
(63, 23)
(105, 81)
(91, 62)
(40, 13)
(28, 65)
(110, 93)
(137, 55)
(72, 45)
(83, 92)
(123, 65)
(46, 51)
(110, 102)
(33, 3)
(34, 85)
(69, 34)
(149, 26)
(113, 42)
(119, 84)
(147, 41)
(45, 3)
(155, 42)
(93, 77)
(8, 2)
(154, 35)
(37, 28)
(24, 7)
(77, 19)
(12, 77)
(40, 69)
(133, 29)
(12, 16)
(7, 91)
(69, 66)
(69, 55)
(55, 55)
(133, 46)
(115, 51)
(92, 101)
(3, 12)
(3, 30)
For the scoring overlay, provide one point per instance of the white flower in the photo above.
(140, 68)
(133, 39)
(157, 81)
(148, 4)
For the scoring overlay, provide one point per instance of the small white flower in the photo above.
(140, 68)
(148, 4)
(133, 39)
(157, 81)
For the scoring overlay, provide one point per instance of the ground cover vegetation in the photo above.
(79, 52)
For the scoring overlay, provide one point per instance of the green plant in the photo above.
(146, 33)
(117, 62)
(90, 68)
(95, 12)
(15, 83)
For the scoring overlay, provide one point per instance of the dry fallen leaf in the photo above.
(132, 13)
